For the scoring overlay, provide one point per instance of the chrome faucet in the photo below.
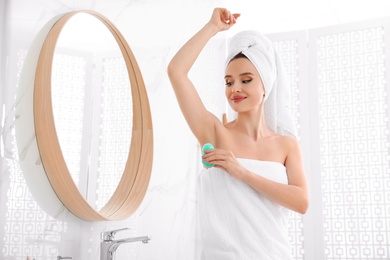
(108, 245)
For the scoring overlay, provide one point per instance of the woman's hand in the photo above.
(223, 19)
(225, 160)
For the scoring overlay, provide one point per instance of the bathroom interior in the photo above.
(115, 118)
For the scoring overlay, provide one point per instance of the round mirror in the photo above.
(92, 106)
(96, 153)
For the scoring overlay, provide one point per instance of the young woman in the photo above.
(258, 177)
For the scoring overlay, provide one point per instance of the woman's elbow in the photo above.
(170, 69)
(174, 70)
(303, 206)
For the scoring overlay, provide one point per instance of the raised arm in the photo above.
(200, 121)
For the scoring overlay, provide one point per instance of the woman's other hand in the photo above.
(223, 19)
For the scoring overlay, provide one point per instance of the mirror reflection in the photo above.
(92, 106)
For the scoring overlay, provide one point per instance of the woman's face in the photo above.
(244, 87)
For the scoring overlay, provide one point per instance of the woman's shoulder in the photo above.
(286, 139)
(281, 138)
(285, 142)
(282, 146)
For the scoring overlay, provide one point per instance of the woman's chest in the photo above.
(245, 147)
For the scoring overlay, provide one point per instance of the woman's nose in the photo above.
(236, 89)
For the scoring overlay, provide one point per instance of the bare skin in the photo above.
(247, 136)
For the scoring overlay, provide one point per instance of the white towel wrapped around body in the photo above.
(237, 222)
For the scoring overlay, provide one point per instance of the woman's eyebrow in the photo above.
(246, 73)
(242, 74)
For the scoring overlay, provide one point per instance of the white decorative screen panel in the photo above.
(289, 54)
(354, 143)
(27, 230)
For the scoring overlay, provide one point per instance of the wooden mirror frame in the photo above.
(135, 179)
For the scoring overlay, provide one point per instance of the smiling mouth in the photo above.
(238, 99)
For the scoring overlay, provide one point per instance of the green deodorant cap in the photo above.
(205, 148)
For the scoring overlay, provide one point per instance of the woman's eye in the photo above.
(228, 84)
(246, 81)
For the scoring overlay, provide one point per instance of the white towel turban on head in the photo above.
(260, 51)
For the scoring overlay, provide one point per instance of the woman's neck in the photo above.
(252, 124)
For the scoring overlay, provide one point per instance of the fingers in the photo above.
(209, 155)
(235, 16)
(233, 19)
(226, 17)
(230, 18)
(215, 156)
(225, 160)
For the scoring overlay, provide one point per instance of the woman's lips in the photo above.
(237, 99)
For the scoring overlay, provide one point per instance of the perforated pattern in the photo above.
(354, 144)
(288, 50)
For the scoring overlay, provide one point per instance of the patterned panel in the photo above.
(28, 230)
(116, 127)
(288, 50)
(354, 144)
